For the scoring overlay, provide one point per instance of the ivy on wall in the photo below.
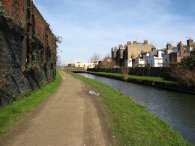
(2, 10)
(3, 13)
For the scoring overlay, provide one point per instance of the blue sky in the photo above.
(95, 26)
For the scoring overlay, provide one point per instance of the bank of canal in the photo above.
(177, 109)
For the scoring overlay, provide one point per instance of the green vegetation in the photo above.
(140, 78)
(188, 62)
(149, 78)
(2, 11)
(132, 124)
(14, 112)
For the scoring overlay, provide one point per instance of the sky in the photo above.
(95, 26)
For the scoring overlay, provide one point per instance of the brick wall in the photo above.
(39, 24)
(28, 50)
(27, 16)
(15, 10)
(52, 45)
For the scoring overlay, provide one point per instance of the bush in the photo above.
(183, 76)
(188, 62)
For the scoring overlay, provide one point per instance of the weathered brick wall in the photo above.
(39, 24)
(46, 36)
(52, 45)
(15, 10)
(27, 50)
(13, 82)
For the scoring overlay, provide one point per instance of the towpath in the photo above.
(69, 118)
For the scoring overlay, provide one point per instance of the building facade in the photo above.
(133, 49)
(174, 55)
(154, 59)
(126, 55)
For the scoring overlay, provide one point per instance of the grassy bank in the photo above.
(14, 112)
(132, 124)
(140, 78)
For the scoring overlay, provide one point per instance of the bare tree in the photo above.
(107, 55)
(95, 58)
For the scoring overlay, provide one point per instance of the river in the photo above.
(176, 109)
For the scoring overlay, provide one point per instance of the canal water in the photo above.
(176, 109)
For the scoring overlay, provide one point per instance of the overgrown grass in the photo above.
(14, 112)
(149, 78)
(144, 78)
(132, 124)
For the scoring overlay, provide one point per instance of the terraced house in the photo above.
(125, 55)
(174, 55)
(143, 55)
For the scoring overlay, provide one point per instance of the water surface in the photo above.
(176, 109)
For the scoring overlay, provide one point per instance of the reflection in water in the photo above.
(175, 108)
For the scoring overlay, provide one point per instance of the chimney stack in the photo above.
(113, 52)
(190, 42)
(145, 42)
(129, 43)
(169, 46)
(180, 47)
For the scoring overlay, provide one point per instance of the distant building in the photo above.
(80, 65)
(119, 55)
(154, 58)
(166, 57)
(190, 47)
(106, 63)
(70, 65)
(113, 55)
(142, 54)
(174, 55)
(85, 65)
(108, 59)
(140, 61)
(133, 49)
(126, 55)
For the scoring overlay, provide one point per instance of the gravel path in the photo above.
(69, 118)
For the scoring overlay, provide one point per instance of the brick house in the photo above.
(174, 55)
(133, 49)
(120, 55)
(126, 55)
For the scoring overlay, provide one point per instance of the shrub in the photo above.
(188, 62)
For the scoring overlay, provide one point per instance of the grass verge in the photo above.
(132, 124)
(14, 112)
(140, 78)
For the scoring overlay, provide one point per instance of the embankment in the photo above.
(130, 123)
(158, 82)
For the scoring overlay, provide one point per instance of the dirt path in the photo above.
(68, 118)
